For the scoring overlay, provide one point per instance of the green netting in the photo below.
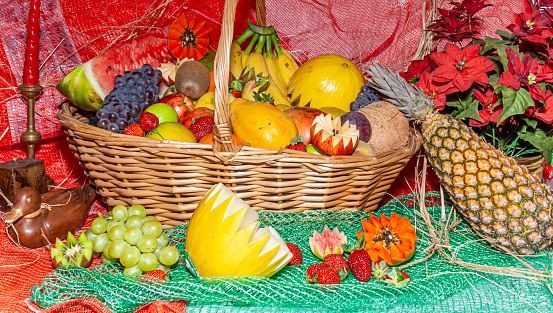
(438, 286)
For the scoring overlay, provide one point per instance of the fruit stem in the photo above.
(261, 30)
(260, 44)
(247, 34)
(268, 47)
(252, 43)
(277, 47)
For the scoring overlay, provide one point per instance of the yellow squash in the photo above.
(326, 80)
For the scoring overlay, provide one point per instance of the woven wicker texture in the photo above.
(437, 285)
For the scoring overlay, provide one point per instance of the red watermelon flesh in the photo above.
(149, 48)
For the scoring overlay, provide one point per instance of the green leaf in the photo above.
(536, 137)
(460, 100)
(506, 35)
(547, 149)
(514, 102)
(470, 112)
(501, 51)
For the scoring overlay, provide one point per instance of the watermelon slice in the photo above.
(88, 85)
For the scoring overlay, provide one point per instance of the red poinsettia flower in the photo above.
(462, 67)
(417, 67)
(522, 74)
(531, 25)
(437, 92)
(453, 26)
(543, 112)
(470, 7)
(491, 110)
(545, 72)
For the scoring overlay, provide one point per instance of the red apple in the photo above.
(181, 103)
(303, 118)
(331, 137)
(195, 113)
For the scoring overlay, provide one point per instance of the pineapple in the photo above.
(500, 199)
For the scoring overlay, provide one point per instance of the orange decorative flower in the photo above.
(187, 38)
(389, 239)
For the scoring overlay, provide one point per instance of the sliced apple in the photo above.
(331, 137)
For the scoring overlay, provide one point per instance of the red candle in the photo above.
(30, 67)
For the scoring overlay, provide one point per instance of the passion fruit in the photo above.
(192, 79)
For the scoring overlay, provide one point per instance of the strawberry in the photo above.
(236, 86)
(380, 270)
(202, 126)
(297, 255)
(297, 143)
(359, 261)
(263, 97)
(397, 278)
(547, 172)
(337, 263)
(134, 130)
(313, 270)
(148, 121)
(159, 274)
(327, 276)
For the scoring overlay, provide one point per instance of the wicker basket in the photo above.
(170, 178)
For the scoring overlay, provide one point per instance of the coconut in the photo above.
(390, 128)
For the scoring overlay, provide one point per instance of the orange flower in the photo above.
(389, 239)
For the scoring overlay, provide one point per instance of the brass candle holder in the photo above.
(30, 136)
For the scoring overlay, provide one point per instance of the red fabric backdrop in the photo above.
(74, 31)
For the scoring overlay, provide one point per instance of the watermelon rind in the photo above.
(78, 90)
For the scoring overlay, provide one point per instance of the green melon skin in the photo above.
(76, 88)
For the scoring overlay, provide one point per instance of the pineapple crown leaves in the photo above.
(416, 105)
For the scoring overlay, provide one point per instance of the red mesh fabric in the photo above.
(73, 31)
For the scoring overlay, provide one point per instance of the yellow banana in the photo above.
(272, 66)
(257, 61)
(286, 65)
(244, 58)
(294, 63)
(277, 94)
(235, 60)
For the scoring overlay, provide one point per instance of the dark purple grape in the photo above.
(157, 80)
(93, 121)
(126, 114)
(128, 106)
(141, 97)
(112, 127)
(149, 95)
(102, 113)
(364, 98)
(112, 117)
(122, 123)
(135, 112)
(118, 109)
(103, 123)
(137, 74)
(157, 73)
(123, 96)
(130, 81)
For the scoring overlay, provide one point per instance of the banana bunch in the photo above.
(272, 68)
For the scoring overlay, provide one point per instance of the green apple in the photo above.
(172, 131)
(164, 112)
(312, 149)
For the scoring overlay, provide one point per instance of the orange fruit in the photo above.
(208, 139)
(212, 81)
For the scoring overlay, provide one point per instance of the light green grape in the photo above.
(99, 242)
(99, 225)
(147, 243)
(137, 209)
(116, 232)
(153, 228)
(116, 248)
(149, 218)
(134, 221)
(120, 212)
(148, 262)
(132, 271)
(168, 255)
(89, 234)
(132, 235)
(130, 256)
(162, 240)
(107, 259)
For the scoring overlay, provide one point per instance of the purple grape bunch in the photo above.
(366, 96)
(133, 93)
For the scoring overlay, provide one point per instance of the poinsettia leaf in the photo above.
(536, 137)
(547, 149)
(501, 51)
(514, 102)
(471, 112)
(530, 122)
(460, 101)
(507, 36)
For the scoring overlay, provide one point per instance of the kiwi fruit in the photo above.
(75, 251)
(192, 79)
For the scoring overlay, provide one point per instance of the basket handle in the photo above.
(222, 131)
